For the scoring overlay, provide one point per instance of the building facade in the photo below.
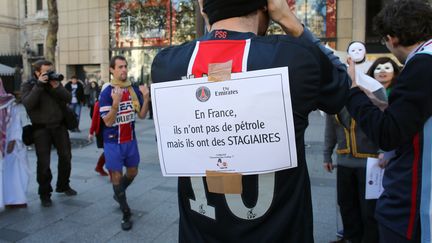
(90, 31)
(83, 39)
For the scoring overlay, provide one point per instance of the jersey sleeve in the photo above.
(335, 81)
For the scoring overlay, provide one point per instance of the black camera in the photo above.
(55, 76)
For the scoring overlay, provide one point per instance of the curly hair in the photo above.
(409, 20)
(383, 60)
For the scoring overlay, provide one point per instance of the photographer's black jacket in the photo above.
(43, 103)
(274, 207)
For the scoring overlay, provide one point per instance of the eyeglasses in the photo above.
(383, 40)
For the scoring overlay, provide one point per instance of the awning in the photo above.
(6, 70)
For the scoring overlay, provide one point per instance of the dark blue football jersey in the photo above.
(274, 207)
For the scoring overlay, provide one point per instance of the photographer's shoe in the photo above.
(340, 233)
(46, 202)
(69, 191)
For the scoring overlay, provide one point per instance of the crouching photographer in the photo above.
(44, 97)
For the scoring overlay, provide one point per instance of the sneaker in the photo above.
(338, 241)
(342, 241)
(126, 223)
(340, 233)
(68, 192)
(46, 202)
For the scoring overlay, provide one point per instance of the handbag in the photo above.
(27, 135)
(69, 118)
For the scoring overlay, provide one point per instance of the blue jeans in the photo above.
(76, 107)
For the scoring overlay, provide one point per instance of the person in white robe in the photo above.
(1, 183)
(15, 169)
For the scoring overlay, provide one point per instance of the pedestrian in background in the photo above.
(96, 129)
(353, 149)
(77, 91)
(385, 70)
(87, 87)
(93, 96)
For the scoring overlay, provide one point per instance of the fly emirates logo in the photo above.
(126, 113)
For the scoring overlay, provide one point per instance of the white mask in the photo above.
(357, 51)
(386, 67)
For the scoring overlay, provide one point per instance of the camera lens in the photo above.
(60, 77)
(55, 76)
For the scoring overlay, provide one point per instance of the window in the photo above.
(373, 7)
(38, 5)
(40, 49)
(139, 23)
(318, 15)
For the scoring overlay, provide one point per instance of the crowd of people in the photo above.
(374, 109)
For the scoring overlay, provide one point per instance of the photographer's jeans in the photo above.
(76, 107)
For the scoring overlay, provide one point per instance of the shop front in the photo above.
(139, 29)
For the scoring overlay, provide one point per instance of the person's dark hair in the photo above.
(114, 58)
(95, 83)
(408, 20)
(382, 60)
(39, 63)
(74, 77)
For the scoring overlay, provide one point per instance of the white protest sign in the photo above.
(374, 177)
(242, 125)
(368, 82)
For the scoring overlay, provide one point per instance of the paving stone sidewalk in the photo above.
(93, 216)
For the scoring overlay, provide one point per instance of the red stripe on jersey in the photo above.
(414, 185)
(125, 131)
(218, 51)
